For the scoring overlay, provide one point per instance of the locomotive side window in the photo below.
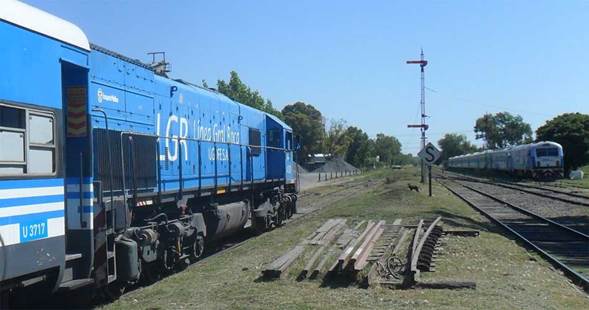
(28, 143)
(288, 140)
(255, 141)
(274, 138)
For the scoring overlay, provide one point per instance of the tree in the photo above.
(307, 123)
(453, 144)
(571, 130)
(360, 148)
(240, 92)
(502, 129)
(404, 159)
(336, 140)
(386, 147)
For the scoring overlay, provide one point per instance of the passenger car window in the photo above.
(41, 129)
(41, 144)
(27, 137)
(12, 117)
(13, 146)
(12, 140)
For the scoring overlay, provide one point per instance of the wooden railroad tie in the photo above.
(347, 253)
(277, 268)
(327, 239)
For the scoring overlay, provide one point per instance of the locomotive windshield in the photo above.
(547, 152)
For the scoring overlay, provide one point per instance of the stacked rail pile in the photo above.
(336, 249)
(423, 247)
(371, 253)
(320, 241)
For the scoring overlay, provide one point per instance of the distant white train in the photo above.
(537, 160)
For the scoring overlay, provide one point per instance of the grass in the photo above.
(507, 276)
(584, 183)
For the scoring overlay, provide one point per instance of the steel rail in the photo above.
(522, 187)
(574, 275)
(550, 189)
(419, 246)
(526, 212)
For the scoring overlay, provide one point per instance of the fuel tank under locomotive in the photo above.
(224, 220)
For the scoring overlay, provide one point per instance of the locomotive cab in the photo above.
(547, 160)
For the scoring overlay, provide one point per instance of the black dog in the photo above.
(413, 187)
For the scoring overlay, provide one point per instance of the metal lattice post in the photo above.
(423, 126)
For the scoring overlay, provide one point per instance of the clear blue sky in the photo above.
(347, 58)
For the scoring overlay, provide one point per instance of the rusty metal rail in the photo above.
(562, 246)
(418, 246)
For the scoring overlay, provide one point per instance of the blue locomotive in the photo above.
(540, 160)
(111, 171)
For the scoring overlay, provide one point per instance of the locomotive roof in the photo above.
(28, 17)
(279, 121)
(122, 57)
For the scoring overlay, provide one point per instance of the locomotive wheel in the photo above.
(114, 290)
(5, 298)
(198, 248)
(150, 274)
(168, 261)
(279, 217)
(262, 224)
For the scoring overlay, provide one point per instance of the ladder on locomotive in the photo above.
(105, 271)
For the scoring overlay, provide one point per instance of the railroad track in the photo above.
(564, 247)
(574, 198)
(542, 191)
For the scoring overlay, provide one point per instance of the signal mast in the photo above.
(423, 126)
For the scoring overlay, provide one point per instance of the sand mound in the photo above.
(336, 165)
(300, 169)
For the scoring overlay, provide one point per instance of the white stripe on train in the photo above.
(76, 187)
(30, 192)
(31, 209)
(11, 233)
(73, 214)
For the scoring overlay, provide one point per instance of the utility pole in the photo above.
(423, 126)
